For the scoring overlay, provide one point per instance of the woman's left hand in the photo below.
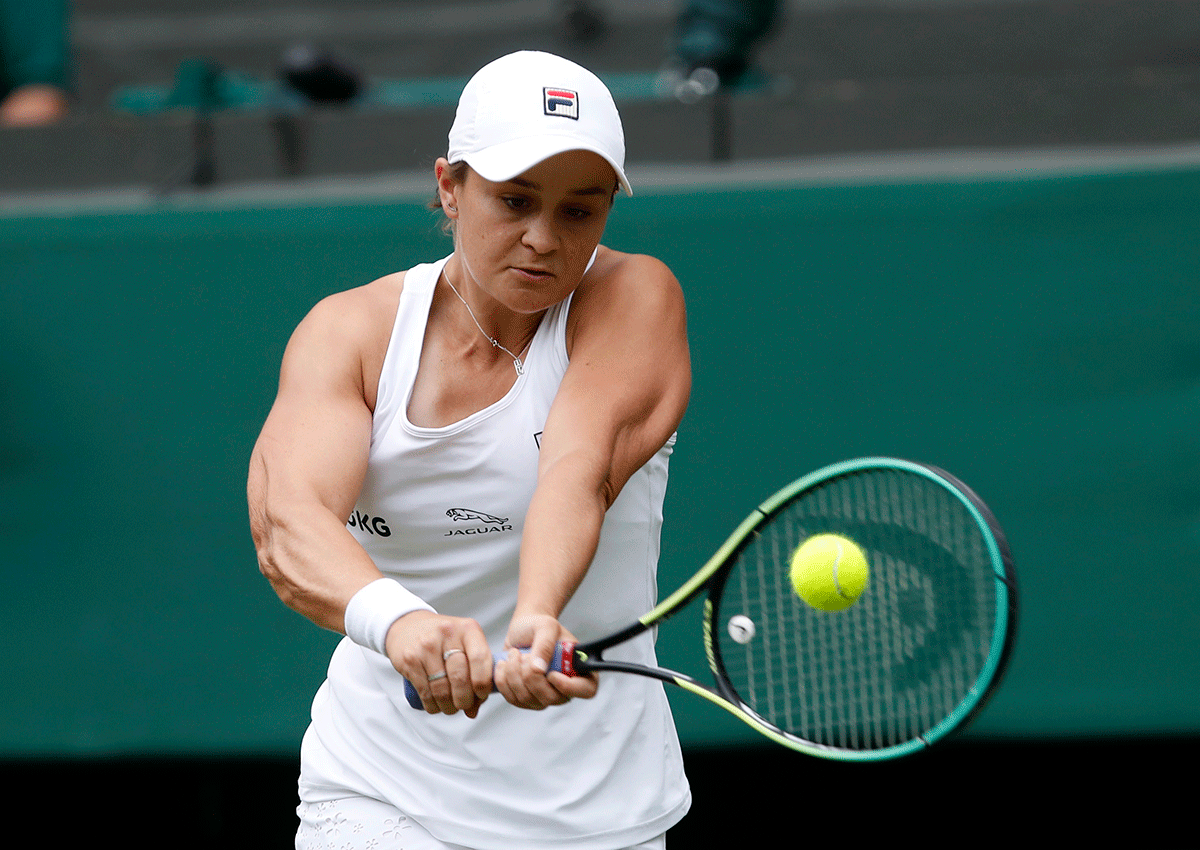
(525, 678)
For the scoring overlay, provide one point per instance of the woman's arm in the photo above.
(307, 468)
(622, 397)
(306, 472)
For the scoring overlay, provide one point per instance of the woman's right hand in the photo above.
(446, 659)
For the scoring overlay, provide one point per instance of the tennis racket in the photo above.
(914, 659)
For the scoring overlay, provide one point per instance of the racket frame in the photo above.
(589, 656)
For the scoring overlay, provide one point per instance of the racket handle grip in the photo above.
(563, 661)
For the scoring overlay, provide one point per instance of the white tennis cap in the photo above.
(527, 106)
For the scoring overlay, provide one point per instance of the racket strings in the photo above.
(899, 661)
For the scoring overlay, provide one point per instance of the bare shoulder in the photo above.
(629, 379)
(345, 335)
(631, 274)
(627, 332)
(358, 314)
(627, 289)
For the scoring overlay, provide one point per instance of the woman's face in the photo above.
(527, 241)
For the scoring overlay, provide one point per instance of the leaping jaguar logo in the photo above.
(490, 523)
(457, 514)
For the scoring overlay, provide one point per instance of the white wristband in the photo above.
(371, 612)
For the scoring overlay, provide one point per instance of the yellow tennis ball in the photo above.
(829, 572)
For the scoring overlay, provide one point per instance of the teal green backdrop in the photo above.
(1037, 335)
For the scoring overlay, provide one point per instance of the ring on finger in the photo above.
(449, 652)
(433, 677)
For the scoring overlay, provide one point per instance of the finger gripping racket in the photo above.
(562, 661)
(914, 659)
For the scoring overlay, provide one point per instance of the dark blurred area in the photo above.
(305, 88)
(975, 793)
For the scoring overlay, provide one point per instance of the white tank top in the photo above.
(442, 510)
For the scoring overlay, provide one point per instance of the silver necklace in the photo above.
(517, 364)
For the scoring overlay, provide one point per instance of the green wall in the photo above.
(1037, 335)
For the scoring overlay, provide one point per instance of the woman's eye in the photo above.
(516, 203)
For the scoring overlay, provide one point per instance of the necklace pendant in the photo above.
(517, 364)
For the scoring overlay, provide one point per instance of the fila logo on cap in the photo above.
(561, 102)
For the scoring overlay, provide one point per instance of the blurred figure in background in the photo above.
(721, 35)
(715, 37)
(34, 62)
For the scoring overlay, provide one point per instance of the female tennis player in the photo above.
(469, 458)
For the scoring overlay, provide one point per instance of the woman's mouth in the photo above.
(533, 274)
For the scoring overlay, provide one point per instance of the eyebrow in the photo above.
(590, 190)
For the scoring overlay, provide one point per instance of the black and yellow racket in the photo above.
(924, 630)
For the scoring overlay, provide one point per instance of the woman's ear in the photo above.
(448, 188)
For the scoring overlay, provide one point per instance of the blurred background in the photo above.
(960, 232)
